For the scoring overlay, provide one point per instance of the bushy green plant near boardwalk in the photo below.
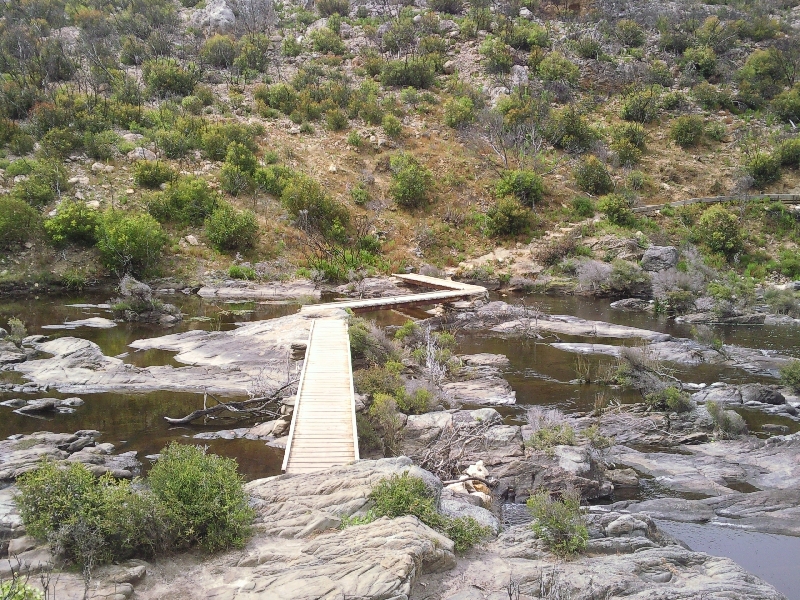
(786, 105)
(73, 222)
(18, 221)
(187, 201)
(592, 176)
(306, 201)
(130, 242)
(764, 169)
(152, 173)
(418, 73)
(617, 209)
(559, 522)
(719, 230)
(204, 495)
(167, 77)
(788, 153)
(557, 67)
(524, 185)
(219, 51)
(229, 229)
(412, 182)
(687, 131)
(507, 217)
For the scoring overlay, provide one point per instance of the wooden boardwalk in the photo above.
(323, 430)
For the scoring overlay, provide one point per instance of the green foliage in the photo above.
(507, 217)
(401, 495)
(253, 53)
(18, 221)
(669, 399)
(370, 343)
(412, 182)
(727, 423)
(786, 105)
(627, 279)
(629, 33)
(130, 242)
(559, 523)
(167, 77)
(219, 51)
(152, 173)
(686, 131)
(592, 176)
(641, 106)
(702, 58)
(764, 169)
(91, 520)
(46, 179)
(326, 8)
(291, 47)
(617, 209)
(188, 201)
(336, 119)
(568, 129)
(391, 126)
(547, 437)
(450, 7)
(524, 185)
(15, 589)
(416, 72)
(204, 495)
(326, 41)
(790, 376)
(360, 195)
(229, 229)
(306, 201)
(497, 55)
(557, 67)
(761, 77)
(583, 207)
(101, 145)
(74, 222)
(219, 136)
(711, 97)
(234, 181)
(719, 229)
(788, 153)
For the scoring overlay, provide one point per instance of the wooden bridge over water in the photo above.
(323, 431)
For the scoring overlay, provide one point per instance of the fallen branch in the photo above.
(230, 406)
(489, 484)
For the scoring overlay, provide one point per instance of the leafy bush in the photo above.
(557, 67)
(326, 8)
(17, 222)
(702, 58)
(548, 436)
(130, 243)
(46, 179)
(559, 523)
(670, 399)
(335, 119)
(629, 33)
(187, 201)
(231, 229)
(790, 376)
(761, 77)
(391, 126)
(418, 73)
(101, 145)
(219, 51)
(764, 169)
(719, 229)
(588, 47)
(412, 182)
(166, 77)
(16, 589)
(788, 153)
(306, 201)
(641, 106)
(459, 112)
(204, 495)
(74, 222)
(450, 7)
(326, 41)
(569, 130)
(787, 105)
(240, 272)
(712, 98)
(627, 280)
(583, 206)
(727, 423)
(91, 520)
(508, 218)
(152, 173)
(617, 209)
(497, 55)
(686, 131)
(592, 176)
(234, 181)
(524, 185)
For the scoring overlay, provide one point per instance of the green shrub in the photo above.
(632, 133)
(719, 229)
(273, 179)
(101, 145)
(46, 179)
(497, 55)
(629, 33)
(418, 73)
(764, 169)
(559, 523)
(727, 423)
(204, 495)
(524, 35)
(74, 222)
(218, 137)
(253, 53)
(130, 243)
(587, 47)
(360, 195)
(583, 207)
(219, 51)
(702, 58)
(641, 106)
(17, 222)
(229, 229)
(291, 47)
(16, 589)
(790, 376)
(152, 173)
(524, 185)
(412, 182)
(761, 77)
(234, 180)
(592, 176)
(712, 98)
(166, 77)
(392, 126)
(617, 209)
(172, 143)
(669, 399)
(459, 112)
(91, 520)
(326, 41)
(507, 217)
(326, 8)
(547, 437)
(336, 120)
(188, 201)
(557, 67)
(787, 105)
(788, 153)
(240, 272)
(569, 130)
(307, 202)
(686, 131)
(450, 7)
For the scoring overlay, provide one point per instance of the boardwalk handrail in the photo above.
(785, 198)
(296, 410)
(352, 398)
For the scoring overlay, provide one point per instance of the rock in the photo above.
(21, 544)
(632, 304)
(3, 333)
(99, 167)
(519, 76)
(487, 390)
(277, 290)
(454, 508)
(217, 16)
(192, 240)
(755, 392)
(93, 322)
(140, 153)
(525, 13)
(486, 415)
(623, 477)
(659, 258)
(449, 67)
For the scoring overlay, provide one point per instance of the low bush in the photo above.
(130, 242)
(306, 201)
(240, 272)
(764, 169)
(204, 495)
(727, 423)
(17, 589)
(507, 217)
(234, 180)
(524, 185)
(558, 522)
(627, 280)
(73, 222)
(219, 51)
(687, 131)
(719, 230)
(326, 41)
(592, 176)
(450, 7)
(336, 119)
(412, 182)
(326, 8)
(557, 67)
(497, 56)
(786, 105)
(617, 209)
(229, 229)
(370, 343)
(418, 73)
(583, 207)
(101, 145)
(167, 77)
(712, 98)
(788, 153)
(187, 201)
(547, 437)
(790, 376)
(18, 221)
(152, 173)
(568, 129)
(669, 399)
(641, 106)
(702, 58)
(46, 179)
(392, 126)
(629, 33)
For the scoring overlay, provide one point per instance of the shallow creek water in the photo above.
(539, 374)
